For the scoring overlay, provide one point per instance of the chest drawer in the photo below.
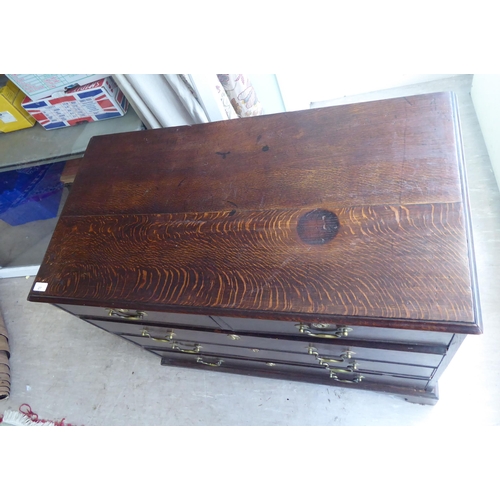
(338, 364)
(302, 350)
(249, 326)
(135, 315)
(332, 331)
(304, 373)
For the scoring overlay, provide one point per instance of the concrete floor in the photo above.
(65, 368)
(25, 245)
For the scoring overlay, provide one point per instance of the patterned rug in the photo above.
(26, 417)
(4, 360)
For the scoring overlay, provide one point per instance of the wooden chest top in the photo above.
(355, 214)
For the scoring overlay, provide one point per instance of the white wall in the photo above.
(268, 92)
(485, 95)
(299, 90)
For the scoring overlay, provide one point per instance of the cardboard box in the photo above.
(40, 86)
(95, 101)
(12, 115)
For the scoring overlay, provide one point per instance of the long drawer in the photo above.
(339, 364)
(300, 372)
(157, 337)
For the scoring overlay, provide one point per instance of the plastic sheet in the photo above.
(30, 194)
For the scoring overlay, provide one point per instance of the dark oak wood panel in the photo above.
(406, 262)
(407, 148)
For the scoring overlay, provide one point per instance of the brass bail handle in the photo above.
(126, 314)
(200, 360)
(334, 331)
(167, 339)
(195, 350)
(347, 369)
(345, 355)
(356, 380)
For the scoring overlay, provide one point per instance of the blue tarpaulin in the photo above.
(30, 194)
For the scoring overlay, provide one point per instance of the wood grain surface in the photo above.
(356, 211)
(398, 151)
(256, 260)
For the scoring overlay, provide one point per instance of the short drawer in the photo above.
(304, 373)
(331, 331)
(134, 315)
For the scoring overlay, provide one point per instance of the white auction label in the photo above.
(6, 117)
(40, 287)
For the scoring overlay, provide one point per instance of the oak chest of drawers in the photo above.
(330, 246)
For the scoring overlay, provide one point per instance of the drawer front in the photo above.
(336, 364)
(316, 374)
(158, 337)
(322, 330)
(249, 326)
(134, 315)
